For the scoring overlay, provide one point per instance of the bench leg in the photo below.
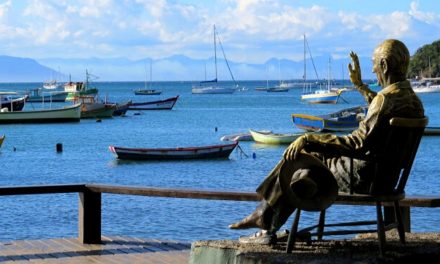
(389, 216)
(292, 236)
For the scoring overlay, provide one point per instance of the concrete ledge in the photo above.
(420, 248)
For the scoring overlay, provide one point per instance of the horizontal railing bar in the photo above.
(42, 189)
(411, 201)
(173, 193)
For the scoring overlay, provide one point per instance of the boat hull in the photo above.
(212, 90)
(273, 138)
(206, 152)
(66, 114)
(321, 98)
(89, 92)
(147, 92)
(16, 104)
(56, 97)
(166, 104)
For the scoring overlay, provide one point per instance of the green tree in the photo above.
(426, 61)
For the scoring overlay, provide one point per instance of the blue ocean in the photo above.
(28, 157)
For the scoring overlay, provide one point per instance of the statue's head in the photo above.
(390, 58)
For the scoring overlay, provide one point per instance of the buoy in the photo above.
(254, 156)
(216, 129)
(59, 147)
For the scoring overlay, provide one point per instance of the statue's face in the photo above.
(378, 70)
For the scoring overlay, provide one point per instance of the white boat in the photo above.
(70, 113)
(51, 85)
(212, 86)
(427, 85)
(274, 138)
(212, 89)
(245, 136)
(320, 96)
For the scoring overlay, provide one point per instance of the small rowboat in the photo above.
(166, 104)
(203, 152)
(273, 138)
(343, 120)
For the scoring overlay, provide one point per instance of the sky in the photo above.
(251, 31)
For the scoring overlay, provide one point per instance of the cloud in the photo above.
(427, 17)
(4, 8)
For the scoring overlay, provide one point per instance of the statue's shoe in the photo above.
(262, 237)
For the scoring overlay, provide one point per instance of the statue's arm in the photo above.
(356, 78)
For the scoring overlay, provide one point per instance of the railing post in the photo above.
(89, 217)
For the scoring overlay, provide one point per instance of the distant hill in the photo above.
(426, 61)
(173, 68)
(14, 69)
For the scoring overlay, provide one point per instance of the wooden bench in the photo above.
(89, 220)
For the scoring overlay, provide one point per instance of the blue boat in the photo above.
(344, 120)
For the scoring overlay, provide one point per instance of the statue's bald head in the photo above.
(396, 54)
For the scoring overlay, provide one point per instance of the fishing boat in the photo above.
(202, 152)
(274, 138)
(2, 138)
(166, 104)
(344, 120)
(40, 96)
(75, 89)
(322, 95)
(12, 101)
(93, 108)
(212, 86)
(70, 113)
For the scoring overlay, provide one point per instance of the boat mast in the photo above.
(215, 54)
(305, 68)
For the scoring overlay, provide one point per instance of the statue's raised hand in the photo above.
(355, 70)
(295, 148)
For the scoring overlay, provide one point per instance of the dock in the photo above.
(113, 249)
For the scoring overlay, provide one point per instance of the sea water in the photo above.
(28, 157)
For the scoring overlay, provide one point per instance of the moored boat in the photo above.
(121, 108)
(147, 92)
(66, 114)
(2, 138)
(245, 136)
(274, 138)
(11, 103)
(166, 104)
(75, 89)
(201, 152)
(40, 96)
(92, 108)
(343, 120)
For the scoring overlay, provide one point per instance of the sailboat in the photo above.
(146, 91)
(319, 96)
(212, 86)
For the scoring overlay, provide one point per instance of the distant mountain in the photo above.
(14, 69)
(173, 68)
